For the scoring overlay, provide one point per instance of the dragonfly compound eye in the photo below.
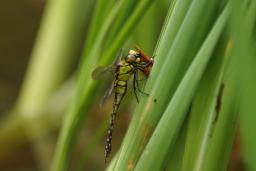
(130, 58)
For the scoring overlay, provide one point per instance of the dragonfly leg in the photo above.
(143, 79)
(134, 87)
(137, 84)
(142, 66)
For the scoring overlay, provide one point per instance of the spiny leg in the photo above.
(143, 79)
(134, 87)
(137, 84)
(142, 66)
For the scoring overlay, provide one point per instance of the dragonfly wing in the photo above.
(105, 74)
(119, 57)
(107, 94)
(100, 71)
(139, 81)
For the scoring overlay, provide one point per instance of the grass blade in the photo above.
(244, 40)
(204, 112)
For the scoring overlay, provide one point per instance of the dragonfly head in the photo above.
(133, 56)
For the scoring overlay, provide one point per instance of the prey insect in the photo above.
(129, 67)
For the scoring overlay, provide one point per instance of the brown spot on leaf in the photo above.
(147, 108)
(131, 165)
(147, 133)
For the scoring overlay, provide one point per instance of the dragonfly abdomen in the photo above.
(120, 90)
(109, 136)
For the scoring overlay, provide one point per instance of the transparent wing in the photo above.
(100, 72)
(119, 56)
(107, 94)
(104, 72)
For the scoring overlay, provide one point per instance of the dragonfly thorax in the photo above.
(125, 70)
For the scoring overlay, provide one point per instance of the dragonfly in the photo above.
(124, 69)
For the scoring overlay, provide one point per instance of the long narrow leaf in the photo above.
(244, 32)
(204, 112)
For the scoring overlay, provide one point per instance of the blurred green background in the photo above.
(19, 25)
(20, 22)
(48, 49)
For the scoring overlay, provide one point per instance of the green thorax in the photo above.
(125, 70)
